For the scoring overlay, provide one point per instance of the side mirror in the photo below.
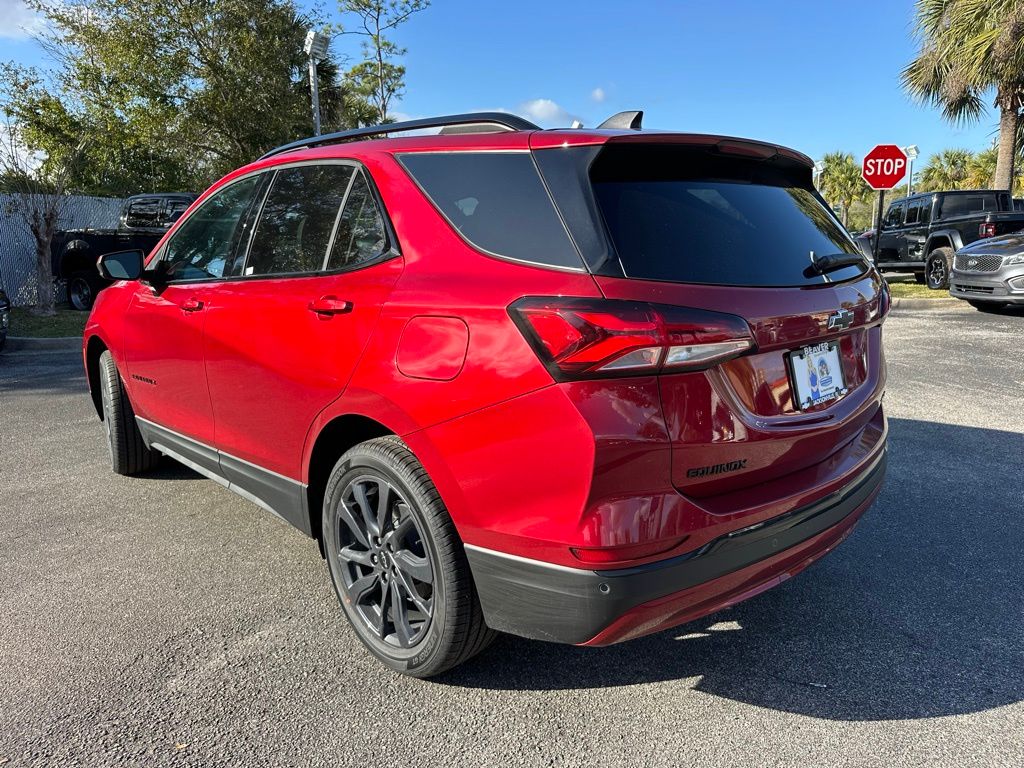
(121, 265)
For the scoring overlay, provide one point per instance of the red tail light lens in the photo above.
(594, 338)
(987, 230)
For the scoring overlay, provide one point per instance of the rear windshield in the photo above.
(688, 215)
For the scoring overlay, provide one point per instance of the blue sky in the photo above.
(815, 75)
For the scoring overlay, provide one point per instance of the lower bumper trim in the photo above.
(542, 601)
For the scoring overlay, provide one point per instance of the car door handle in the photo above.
(326, 306)
(191, 305)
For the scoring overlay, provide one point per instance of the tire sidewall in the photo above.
(89, 290)
(434, 643)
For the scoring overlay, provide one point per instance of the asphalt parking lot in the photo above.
(166, 621)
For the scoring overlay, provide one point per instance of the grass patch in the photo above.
(908, 288)
(67, 322)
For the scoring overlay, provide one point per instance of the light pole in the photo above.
(912, 153)
(315, 48)
(819, 166)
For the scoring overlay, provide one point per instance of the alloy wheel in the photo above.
(80, 294)
(387, 575)
(937, 273)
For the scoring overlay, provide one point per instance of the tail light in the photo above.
(986, 230)
(594, 338)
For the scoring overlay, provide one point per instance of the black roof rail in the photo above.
(501, 119)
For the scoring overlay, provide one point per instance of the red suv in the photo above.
(574, 385)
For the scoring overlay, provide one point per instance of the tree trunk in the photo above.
(1007, 144)
(44, 272)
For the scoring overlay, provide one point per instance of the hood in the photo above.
(1001, 245)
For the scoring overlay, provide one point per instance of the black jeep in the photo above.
(144, 220)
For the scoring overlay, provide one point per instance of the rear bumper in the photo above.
(549, 602)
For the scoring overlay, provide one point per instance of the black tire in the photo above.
(82, 290)
(987, 306)
(919, 278)
(414, 565)
(128, 453)
(938, 267)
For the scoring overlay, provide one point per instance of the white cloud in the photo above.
(547, 112)
(597, 95)
(18, 21)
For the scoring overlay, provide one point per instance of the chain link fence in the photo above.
(18, 250)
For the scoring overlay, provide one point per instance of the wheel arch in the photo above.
(335, 438)
(942, 239)
(94, 348)
(77, 256)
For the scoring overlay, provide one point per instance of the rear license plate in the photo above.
(817, 374)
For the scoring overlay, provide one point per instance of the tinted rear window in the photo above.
(964, 205)
(497, 202)
(686, 215)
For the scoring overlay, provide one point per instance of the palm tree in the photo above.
(840, 182)
(946, 170)
(970, 49)
(981, 170)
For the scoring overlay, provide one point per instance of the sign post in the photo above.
(884, 167)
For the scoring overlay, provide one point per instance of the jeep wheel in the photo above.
(397, 563)
(128, 453)
(81, 291)
(937, 268)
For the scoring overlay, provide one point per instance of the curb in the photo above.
(927, 304)
(25, 343)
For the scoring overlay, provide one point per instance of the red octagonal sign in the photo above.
(884, 166)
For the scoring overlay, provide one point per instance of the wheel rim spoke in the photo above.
(383, 505)
(399, 618)
(410, 591)
(362, 587)
(382, 623)
(346, 515)
(415, 566)
(369, 516)
(353, 555)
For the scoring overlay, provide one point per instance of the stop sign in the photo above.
(884, 166)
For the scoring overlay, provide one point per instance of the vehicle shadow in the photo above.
(919, 614)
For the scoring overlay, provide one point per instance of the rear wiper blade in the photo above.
(822, 265)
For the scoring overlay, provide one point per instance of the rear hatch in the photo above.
(736, 228)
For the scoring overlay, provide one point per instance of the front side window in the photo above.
(205, 243)
(297, 220)
(360, 235)
(894, 217)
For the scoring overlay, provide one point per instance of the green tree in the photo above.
(948, 169)
(970, 50)
(379, 78)
(841, 182)
(173, 104)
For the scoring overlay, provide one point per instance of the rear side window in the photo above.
(360, 235)
(691, 217)
(497, 202)
(205, 243)
(297, 219)
(964, 205)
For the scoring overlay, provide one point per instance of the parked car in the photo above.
(921, 233)
(5, 317)
(143, 221)
(989, 274)
(574, 385)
